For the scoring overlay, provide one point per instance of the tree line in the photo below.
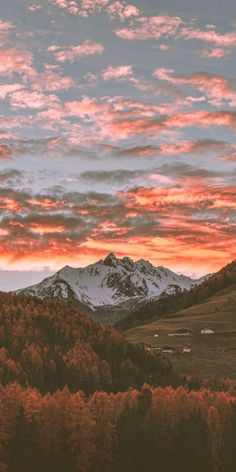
(49, 345)
(152, 430)
(76, 397)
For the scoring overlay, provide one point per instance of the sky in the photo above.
(117, 133)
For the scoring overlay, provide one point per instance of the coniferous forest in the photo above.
(77, 397)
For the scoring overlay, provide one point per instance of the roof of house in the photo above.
(183, 330)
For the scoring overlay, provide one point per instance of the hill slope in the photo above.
(217, 313)
(170, 305)
(49, 345)
(111, 288)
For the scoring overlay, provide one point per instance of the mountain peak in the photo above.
(127, 262)
(111, 260)
(66, 267)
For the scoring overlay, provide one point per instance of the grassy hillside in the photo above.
(171, 304)
(212, 355)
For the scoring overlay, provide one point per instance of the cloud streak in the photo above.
(73, 53)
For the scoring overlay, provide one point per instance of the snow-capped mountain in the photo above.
(109, 289)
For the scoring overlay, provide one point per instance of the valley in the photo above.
(212, 355)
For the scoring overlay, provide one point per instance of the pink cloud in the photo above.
(71, 53)
(214, 53)
(163, 47)
(118, 119)
(5, 152)
(156, 27)
(52, 117)
(202, 119)
(161, 178)
(92, 6)
(69, 5)
(121, 10)
(151, 28)
(231, 156)
(85, 107)
(34, 7)
(26, 99)
(192, 147)
(222, 42)
(164, 74)
(5, 27)
(118, 9)
(217, 89)
(117, 73)
(123, 127)
(6, 89)
(179, 148)
(196, 99)
(87, 7)
(49, 81)
(107, 118)
(210, 36)
(14, 61)
(90, 78)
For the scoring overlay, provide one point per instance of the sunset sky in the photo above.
(117, 133)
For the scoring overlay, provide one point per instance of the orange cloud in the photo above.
(173, 225)
(197, 197)
(46, 229)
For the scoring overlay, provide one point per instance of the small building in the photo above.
(181, 332)
(168, 350)
(156, 335)
(186, 349)
(207, 331)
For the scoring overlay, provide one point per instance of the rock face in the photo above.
(111, 288)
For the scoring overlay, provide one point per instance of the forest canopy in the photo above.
(78, 397)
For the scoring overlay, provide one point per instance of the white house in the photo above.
(207, 331)
(181, 332)
(186, 350)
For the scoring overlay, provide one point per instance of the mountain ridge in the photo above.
(166, 306)
(110, 288)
